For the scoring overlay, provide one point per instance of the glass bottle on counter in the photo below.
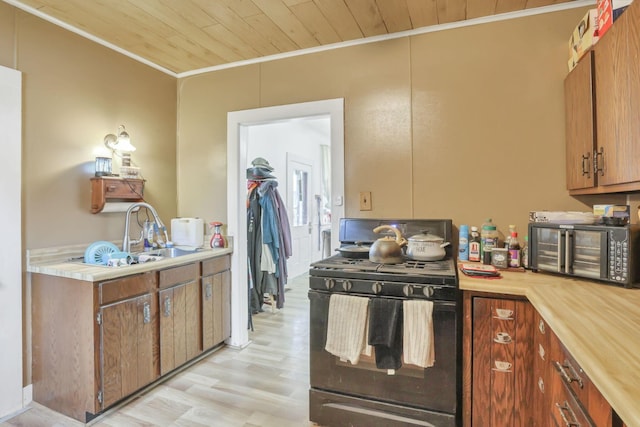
(474, 245)
(524, 253)
(514, 250)
(488, 239)
(507, 239)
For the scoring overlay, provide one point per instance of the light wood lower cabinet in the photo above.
(180, 326)
(216, 301)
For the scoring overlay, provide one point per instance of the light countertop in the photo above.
(598, 323)
(95, 273)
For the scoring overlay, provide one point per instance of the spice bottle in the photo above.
(474, 245)
(463, 243)
(514, 250)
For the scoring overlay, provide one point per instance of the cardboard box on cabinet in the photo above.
(584, 36)
(605, 16)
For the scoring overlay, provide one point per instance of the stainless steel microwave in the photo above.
(600, 252)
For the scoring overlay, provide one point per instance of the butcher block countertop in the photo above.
(598, 323)
(56, 262)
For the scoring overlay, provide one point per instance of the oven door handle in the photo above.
(568, 251)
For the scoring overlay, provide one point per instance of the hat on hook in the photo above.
(260, 162)
(260, 173)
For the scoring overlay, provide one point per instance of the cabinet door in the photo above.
(216, 309)
(127, 343)
(580, 135)
(502, 356)
(179, 325)
(617, 104)
(226, 304)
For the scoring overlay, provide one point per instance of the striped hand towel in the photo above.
(418, 343)
(346, 326)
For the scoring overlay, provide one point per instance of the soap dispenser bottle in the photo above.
(217, 241)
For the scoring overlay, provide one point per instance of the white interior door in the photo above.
(300, 210)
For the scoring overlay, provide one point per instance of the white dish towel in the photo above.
(418, 344)
(346, 326)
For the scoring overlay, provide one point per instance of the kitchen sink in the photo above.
(169, 252)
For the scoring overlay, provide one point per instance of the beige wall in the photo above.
(466, 123)
(74, 93)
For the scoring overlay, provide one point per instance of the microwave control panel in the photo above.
(618, 255)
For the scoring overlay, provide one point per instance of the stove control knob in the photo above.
(376, 287)
(428, 291)
(329, 283)
(407, 290)
(346, 285)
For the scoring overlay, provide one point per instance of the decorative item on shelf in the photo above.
(103, 166)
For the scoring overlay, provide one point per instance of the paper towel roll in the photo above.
(116, 207)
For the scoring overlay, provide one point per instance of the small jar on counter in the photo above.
(500, 257)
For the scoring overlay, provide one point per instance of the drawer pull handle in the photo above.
(596, 163)
(167, 307)
(541, 327)
(586, 164)
(566, 408)
(208, 291)
(146, 313)
(568, 372)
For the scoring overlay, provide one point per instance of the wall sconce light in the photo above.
(120, 143)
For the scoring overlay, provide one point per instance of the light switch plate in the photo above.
(365, 200)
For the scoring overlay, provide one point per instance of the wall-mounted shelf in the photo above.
(114, 189)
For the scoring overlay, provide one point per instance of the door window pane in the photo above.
(300, 192)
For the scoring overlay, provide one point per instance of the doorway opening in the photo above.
(295, 177)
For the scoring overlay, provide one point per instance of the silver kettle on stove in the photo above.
(387, 250)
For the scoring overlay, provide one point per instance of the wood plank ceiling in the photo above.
(186, 35)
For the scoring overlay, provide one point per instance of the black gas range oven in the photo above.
(361, 394)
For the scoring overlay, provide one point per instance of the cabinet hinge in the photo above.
(99, 318)
(100, 397)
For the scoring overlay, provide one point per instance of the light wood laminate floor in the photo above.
(265, 384)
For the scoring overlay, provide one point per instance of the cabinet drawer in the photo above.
(177, 275)
(127, 287)
(216, 265)
(572, 375)
(128, 189)
(565, 409)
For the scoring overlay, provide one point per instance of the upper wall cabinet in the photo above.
(578, 91)
(611, 166)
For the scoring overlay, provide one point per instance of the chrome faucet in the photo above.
(126, 241)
